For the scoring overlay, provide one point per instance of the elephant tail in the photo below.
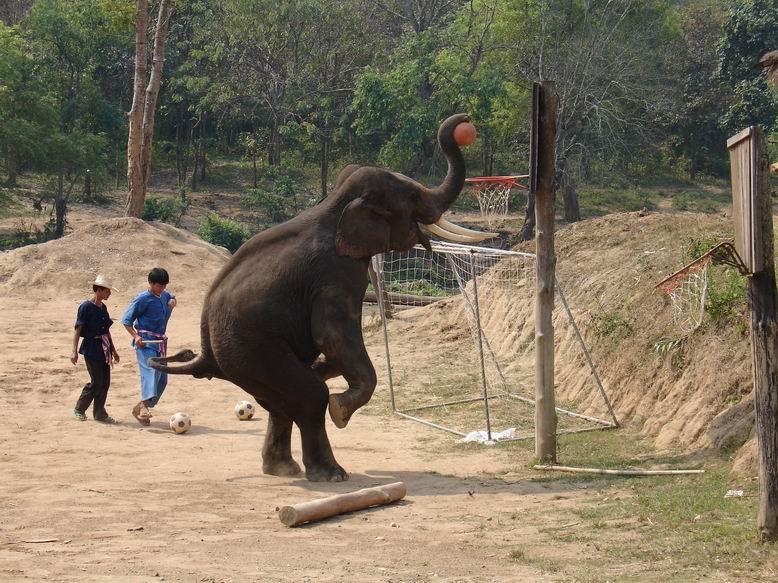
(198, 366)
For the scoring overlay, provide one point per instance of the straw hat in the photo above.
(104, 281)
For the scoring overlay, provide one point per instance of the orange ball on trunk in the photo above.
(465, 134)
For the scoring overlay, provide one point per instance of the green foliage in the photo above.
(27, 234)
(749, 31)
(727, 294)
(276, 196)
(695, 247)
(223, 232)
(610, 324)
(163, 208)
(701, 201)
(596, 202)
(273, 205)
(664, 346)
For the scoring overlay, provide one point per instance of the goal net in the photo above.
(460, 355)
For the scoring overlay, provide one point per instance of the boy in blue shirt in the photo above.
(146, 320)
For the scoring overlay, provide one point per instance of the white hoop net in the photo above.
(492, 194)
(463, 358)
(688, 291)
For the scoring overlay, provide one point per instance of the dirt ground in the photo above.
(90, 502)
(128, 503)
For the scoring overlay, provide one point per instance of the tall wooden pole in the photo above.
(546, 102)
(764, 339)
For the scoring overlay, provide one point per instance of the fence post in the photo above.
(544, 126)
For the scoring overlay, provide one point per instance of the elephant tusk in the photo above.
(459, 229)
(456, 237)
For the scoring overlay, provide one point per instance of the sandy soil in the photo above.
(126, 503)
(130, 503)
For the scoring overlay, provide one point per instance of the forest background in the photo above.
(269, 99)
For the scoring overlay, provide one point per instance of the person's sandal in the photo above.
(107, 419)
(79, 415)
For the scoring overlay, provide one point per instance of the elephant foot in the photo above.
(339, 412)
(333, 473)
(281, 467)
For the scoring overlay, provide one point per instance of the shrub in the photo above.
(276, 194)
(269, 202)
(610, 324)
(224, 232)
(165, 209)
(726, 295)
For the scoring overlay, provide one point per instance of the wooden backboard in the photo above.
(743, 156)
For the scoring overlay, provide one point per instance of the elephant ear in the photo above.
(363, 230)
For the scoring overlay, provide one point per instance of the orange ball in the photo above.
(465, 134)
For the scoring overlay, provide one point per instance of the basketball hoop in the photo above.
(688, 287)
(492, 194)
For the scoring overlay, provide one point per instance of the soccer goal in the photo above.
(461, 357)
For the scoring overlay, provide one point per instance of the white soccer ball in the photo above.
(180, 422)
(244, 410)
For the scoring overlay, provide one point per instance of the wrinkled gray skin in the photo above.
(284, 315)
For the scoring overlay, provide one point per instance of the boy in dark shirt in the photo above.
(92, 324)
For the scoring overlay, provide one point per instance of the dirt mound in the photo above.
(696, 397)
(124, 249)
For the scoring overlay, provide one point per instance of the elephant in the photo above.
(285, 313)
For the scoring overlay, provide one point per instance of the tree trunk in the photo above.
(528, 228)
(152, 90)
(764, 337)
(324, 164)
(570, 196)
(196, 155)
(88, 185)
(117, 166)
(274, 148)
(136, 188)
(179, 166)
(60, 208)
(11, 166)
(203, 146)
(254, 166)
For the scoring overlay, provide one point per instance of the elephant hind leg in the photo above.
(301, 396)
(277, 451)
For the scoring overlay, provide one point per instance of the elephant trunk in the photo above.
(436, 201)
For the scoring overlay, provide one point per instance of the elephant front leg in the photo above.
(277, 451)
(361, 377)
(337, 332)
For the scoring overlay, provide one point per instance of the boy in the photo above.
(146, 321)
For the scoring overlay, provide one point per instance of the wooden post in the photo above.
(545, 172)
(763, 299)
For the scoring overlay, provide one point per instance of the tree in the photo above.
(144, 101)
(702, 98)
(27, 111)
(608, 62)
(750, 30)
(68, 40)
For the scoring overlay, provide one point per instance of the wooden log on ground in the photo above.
(615, 472)
(341, 503)
(403, 299)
